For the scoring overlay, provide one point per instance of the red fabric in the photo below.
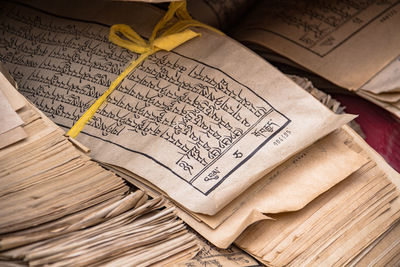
(381, 128)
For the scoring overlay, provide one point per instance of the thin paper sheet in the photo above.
(387, 80)
(9, 118)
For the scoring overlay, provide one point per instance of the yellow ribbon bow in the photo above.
(170, 38)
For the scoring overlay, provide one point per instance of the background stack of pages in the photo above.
(354, 45)
(245, 154)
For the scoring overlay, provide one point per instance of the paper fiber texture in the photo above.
(11, 130)
(384, 88)
(203, 122)
(331, 39)
(9, 119)
(9, 104)
(386, 81)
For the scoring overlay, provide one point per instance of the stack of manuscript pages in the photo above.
(246, 155)
(356, 221)
(384, 88)
(354, 45)
(59, 208)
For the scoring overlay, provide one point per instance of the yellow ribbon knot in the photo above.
(124, 36)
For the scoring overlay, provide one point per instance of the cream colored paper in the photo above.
(7, 88)
(330, 39)
(387, 80)
(384, 251)
(392, 97)
(203, 123)
(9, 118)
(388, 106)
(12, 136)
(10, 122)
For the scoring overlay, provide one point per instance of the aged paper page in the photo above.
(9, 118)
(383, 251)
(331, 39)
(203, 122)
(11, 130)
(15, 100)
(388, 106)
(387, 80)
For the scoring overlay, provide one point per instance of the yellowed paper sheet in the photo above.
(9, 119)
(331, 39)
(10, 122)
(12, 136)
(387, 80)
(388, 106)
(203, 122)
(7, 88)
(392, 174)
(384, 250)
(391, 97)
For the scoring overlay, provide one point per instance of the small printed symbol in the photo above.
(213, 175)
(238, 154)
(186, 166)
(328, 41)
(357, 20)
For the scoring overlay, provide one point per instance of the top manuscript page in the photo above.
(202, 123)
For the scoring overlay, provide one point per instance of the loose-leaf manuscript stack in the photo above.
(59, 208)
(351, 45)
(245, 154)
